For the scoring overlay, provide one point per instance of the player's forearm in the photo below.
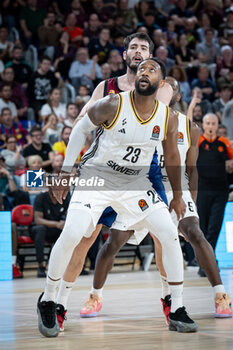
(193, 181)
(76, 142)
(173, 170)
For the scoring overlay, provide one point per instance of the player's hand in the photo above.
(179, 206)
(61, 187)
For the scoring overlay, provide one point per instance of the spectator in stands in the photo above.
(38, 147)
(208, 51)
(180, 13)
(40, 84)
(101, 46)
(6, 101)
(226, 79)
(222, 131)
(183, 54)
(205, 104)
(162, 55)
(8, 188)
(180, 75)
(116, 63)
(60, 147)
(84, 71)
(120, 27)
(159, 39)
(34, 163)
(6, 46)
(48, 35)
(129, 15)
(52, 129)
(106, 71)
(218, 105)
(212, 178)
(31, 18)
(204, 24)
(18, 94)
(54, 106)
(64, 54)
(230, 39)
(105, 15)
(49, 218)
(149, 22)
(214, 13)
(21, 69)
(171, 35)
(226, 28)
(10, 127)
(141, 8)
(203, 81)
(83, 96)
(15, 162)
(61, 7)
(118, 40)
(227, 118)
(57, 163)
(164, 7)
(224, 62)
(78, 11)
(198, 115)
(10, 11)
(71, 114)
(75, 33)
(92, 30)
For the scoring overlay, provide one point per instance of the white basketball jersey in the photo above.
(123, 150)
(183, 142)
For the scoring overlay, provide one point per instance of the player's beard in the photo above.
(132, 66)
(150, 90)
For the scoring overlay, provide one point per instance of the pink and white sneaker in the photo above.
(92, 306)
(223, 307)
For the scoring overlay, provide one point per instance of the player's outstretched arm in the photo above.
(102, 112)
(191, 160)
(172, 162)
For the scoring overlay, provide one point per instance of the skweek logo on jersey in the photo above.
(142, 204)
(155, 133)
(35, 178)
(180, 137)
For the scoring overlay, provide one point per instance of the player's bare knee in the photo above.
(191, 230)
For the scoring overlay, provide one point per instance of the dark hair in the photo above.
(140, 36)
(47, 58)
(209, 30)
(64, 128)
(183, 76)
(35, 128)
(225, 87)
(5, 109)
(221, 126)
(5, 84)
(17, 47)
(162, 66)
(71, 104)
(10, 136)
(3, 27)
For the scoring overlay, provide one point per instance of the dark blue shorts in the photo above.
(109, 215)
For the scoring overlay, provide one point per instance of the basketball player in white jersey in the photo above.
(132, 152)
(188, 136)
(189, 225)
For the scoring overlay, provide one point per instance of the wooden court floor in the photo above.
(130, 319)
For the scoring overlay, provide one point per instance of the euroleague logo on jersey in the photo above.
(111, 92)
(155, 132)
(142, 204)
(180, 137)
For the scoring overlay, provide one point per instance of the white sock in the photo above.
(13, 259)
(165, 286)
(176, 296)
(50, 290)
(99, 292)
(219, 289)
(64, 292)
